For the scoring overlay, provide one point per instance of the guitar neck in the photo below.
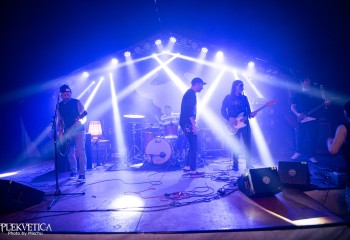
(315, 109)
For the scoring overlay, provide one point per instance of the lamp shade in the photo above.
(95, 128)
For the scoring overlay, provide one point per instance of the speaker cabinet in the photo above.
(294, 174)
(260, 182)
(15, 196)
(88, 151)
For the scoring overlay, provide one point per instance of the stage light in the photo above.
(114, 61)
(219, 57)
(137, 50)
(127, 54)
(158, 42)
(85, 74)
(8, 174)
(220, 54)
(173, 40)
(204, 49)
(194, 45)
(251, 64)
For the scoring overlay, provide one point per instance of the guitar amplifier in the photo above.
(261, 182)
(210, 142)
(294, 174)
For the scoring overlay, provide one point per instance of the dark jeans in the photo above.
(191, 158)
(306, 135)
(245, 133)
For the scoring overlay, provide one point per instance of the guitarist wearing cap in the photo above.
(71, 131)
(306, 105)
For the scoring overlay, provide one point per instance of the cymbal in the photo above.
(133, 116)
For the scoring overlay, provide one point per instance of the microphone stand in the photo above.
(58, 192)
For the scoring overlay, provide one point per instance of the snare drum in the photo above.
(171, 131)
(158, 151)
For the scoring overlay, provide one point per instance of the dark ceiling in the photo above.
(42, 40)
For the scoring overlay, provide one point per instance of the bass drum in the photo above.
(158, 151)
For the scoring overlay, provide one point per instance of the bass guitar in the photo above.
(241, 120)
(64, 142)
(295, 121)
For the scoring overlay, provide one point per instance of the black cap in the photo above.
(197, 80)
(65, 88)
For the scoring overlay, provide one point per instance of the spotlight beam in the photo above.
(177, 81)
(120, 140)
(143, 79)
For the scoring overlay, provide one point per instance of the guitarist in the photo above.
(188, 124)
(72, 132)
(306, 132)
(234, 104)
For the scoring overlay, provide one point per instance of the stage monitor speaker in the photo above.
(260, 182)
(294, 174)
(15, 196)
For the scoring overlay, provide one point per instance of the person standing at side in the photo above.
(72, 131)
(188, 124)
(342, 141)
(232, 106)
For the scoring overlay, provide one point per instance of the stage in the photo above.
(147, 201)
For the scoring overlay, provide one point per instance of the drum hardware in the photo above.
(135, 152)
(171, 131)
(158, 151)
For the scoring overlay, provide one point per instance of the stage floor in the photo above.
(163, 199)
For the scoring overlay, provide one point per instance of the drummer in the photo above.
(170, 123)
(169, 117)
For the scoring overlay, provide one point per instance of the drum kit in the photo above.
(156, 144)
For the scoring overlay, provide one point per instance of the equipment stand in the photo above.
(58, 192)
(135, 151)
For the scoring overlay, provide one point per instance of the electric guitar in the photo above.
(305, 116)
(64, 142)
(242, 120)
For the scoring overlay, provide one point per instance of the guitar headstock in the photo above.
(271, 102)
(327, 102)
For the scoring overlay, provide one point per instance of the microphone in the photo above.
(162, 154)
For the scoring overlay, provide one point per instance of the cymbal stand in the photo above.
(135, 151)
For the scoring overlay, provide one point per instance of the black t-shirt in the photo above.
(307, 103)
(233, 105)
(188, 107)
(69, 112)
